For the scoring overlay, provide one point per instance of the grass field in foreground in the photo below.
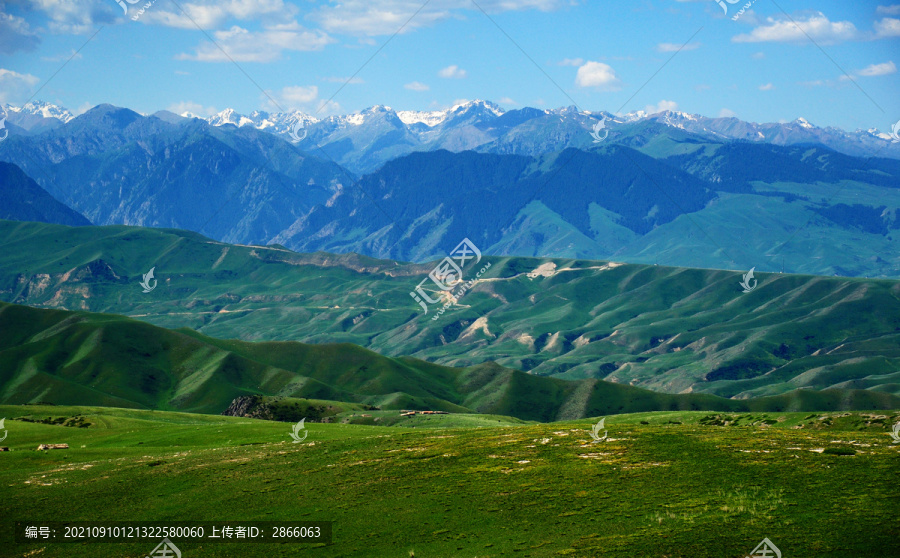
(684, 484)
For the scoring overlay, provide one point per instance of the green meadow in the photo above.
(662, 484)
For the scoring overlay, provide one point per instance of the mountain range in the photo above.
(666, 188)
(363, 141)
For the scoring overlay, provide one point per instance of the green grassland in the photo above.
(669, 329)
(669, 484)
(293, 409)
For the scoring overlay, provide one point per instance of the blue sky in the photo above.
(838, 68)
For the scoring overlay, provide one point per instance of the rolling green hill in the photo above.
(668, 329)
(67, 358)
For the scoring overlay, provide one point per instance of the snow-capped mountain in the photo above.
(429, 118)
(364, 140)
(230, 116)
(284, 121)
(37, 116)
(857, 143)
(427, 128)
(379, 133)
(278, 123)
(44, 110)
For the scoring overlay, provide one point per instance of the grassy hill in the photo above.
(69, 358)
(660, 484)
(663, 328)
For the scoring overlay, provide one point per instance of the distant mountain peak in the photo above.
(43, 109)
(230, 116)
(374, 109)
(478, 103)
(634, 116)
(429, 118)
(434, 118)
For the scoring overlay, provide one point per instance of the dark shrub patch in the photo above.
(840, 451)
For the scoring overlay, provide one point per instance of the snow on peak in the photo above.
(478, 103)
(279, 122)
(432, 118)
(803, 123)
(45, 110)
(683, 115)
(635, 116)
(230, 116)
(356, 119)
(429, 118)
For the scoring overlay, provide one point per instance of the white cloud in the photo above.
(766, 87)
(15, 86)
(386, 17)
(758, 55)
(416, 86)
(209, 14)
(15, 34)
(242, 45)
(882, 69)
(893, 9)
(375, 18)
(571, 62)
(872, 70)
(507, 101)
(661, 106)
(727, 113)
(675, 47)
(599, 75)
(191, 107)
(816, 26)
(452, 72)
(887, 27)
(76, 16)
